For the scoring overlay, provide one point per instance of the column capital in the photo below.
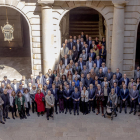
(46, 3)
(119, 3)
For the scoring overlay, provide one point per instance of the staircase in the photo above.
(88, 27)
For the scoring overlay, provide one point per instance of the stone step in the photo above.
(94, 22)
(85, 29)
(87, 26)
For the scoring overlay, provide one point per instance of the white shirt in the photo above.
(99, 91)
(125, 81)
(65, 62)
(27, 97)
(40, 79)
(15, 86)
(90, 66)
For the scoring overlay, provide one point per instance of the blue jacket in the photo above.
(55, 94)
(92, 94)
(100, 62)
(98, 82)
(88, 82)
(118, 91)
(93, 56)
(76, 96)
(77, 83)
(124, 96)
(122, 79)
(139, 98)
(67, 94)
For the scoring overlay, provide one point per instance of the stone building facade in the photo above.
(122, 18)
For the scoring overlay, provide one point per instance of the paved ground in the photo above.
(70, 127)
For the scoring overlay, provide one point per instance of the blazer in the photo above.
(108, 90)
(80, 47)
(62, 53)
(26, 103)
(135, 74)
(91, 93)
(84, 99)
(84, 56)
(119, 76)
(78, 69)
(31, 81)
(93, 55)
(117, 91)
(109, 77)
(69, 45)
(133, 95)
(122, 79)
(101, 76)
(8, 82)
(13, 87)
(68, 61)
(42, 80)
(124, 96)
(75, 55)
(83, 63)
(96, 70)
(102, 55)
(82, 80)
(76, 96)
(67, 94)
(88, 82)
(49, 101)
(87, 64)
(105, 70)
(103, 84)
(48, 86)
(112, 83)
(88, 49)
(49, 79)
(1, 91)
(55, 94)
(18, 102)
(100, 62)
(101, 96)
(85, 72)
(130, 85)
(4, 99)
(11, 100)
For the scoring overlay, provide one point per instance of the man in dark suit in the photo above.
(102, 54)
(54, 91)
(109, 75)
(74, 39)
(134, 93)
(76, 99)
(98, 61)
(87, 38)
(67, 98)
(15, 85)
(91, 92)
(124, 94)
(89, 41)
(76, 68)
(66, 60)
(81, 63)
(92, 45)
(48, 85)
(24, 79)
(124, 79)
(5, 97)
(6, 81)
(87, 49)
(83, 36)
(47, 78)
(88, 80)
(71, 44)
(40, 77)
(118, 74)
(2, 88)
(78, 47)
(92, 54)
(31, 79)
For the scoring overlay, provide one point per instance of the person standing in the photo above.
(12, 104)
(84, 99)
(20, 105)
(5, 97)
(1, 110)
(61, 99)
(49, 104)
(39, 99)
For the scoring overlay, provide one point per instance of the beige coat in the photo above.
(130, 85)
(49, 101)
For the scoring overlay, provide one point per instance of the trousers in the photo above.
(0, 115)
(22, 112)
(133, 105)
(76, 106)
(5, 111)
(49, 112)
(61, 105)
(121, 104)
(68, 104)
(100, 103)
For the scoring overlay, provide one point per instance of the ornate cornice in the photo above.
(46, 2)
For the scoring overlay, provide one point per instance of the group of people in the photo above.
(80, 80)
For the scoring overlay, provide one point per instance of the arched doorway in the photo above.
(137, 56)
(75, 21)
(15, 57)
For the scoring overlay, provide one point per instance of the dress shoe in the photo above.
(74, 114)
(13, 117)
(130, 112)
(56, 112)
(134, 112)
(125, 112)
(139, 115)
(65, 112)
(93, 111)
(47, 118)
(25, 117)
(2, 122)
(7, 118)
(120, 111)
(59, 111)
(16, 116)
(4, 119)
(77, 113)
(70, 112)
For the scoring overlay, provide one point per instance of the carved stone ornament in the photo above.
(8, 30)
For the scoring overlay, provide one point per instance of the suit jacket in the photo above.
(93, 55)
(49, 101)
(88, 82)
(99, 96)
(88, 50)
(4, 99)
(62, 53)
(102, 55)
(76, 69)
(112, 83)
(85, 72)
(76, 96)
(133, 95)
(96, 70)
(82, 80)
(55, 94)
(68, 61)
(67, 94)
(117, 91)
(101, 76)
(100, 62)
(1, 91)
(135, 74)
(69, 45)
(122, 79)
(8, 82)
(109, 77)
(13, 87)
(31, 81)
(119, 76)
(83, 63)
(49, 79)
(42, 79)
(84, 99)
(91, 93)
(87, 64)
(130, 85)
(75, 55)
(124, 96)
(92, 46)
(80, 48)
(105, 70)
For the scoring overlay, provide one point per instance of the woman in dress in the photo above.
(39, 99)
(61, 99)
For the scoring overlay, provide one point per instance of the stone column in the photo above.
(117, 37)
(47, 39)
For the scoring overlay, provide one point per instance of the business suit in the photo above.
(87, 65)
(136, 75)
(81, 64)
(76, 96)
(96, 70)
(101, 76)
(75, 56)
(100, 99)
(15, 86)
(55, 94)
(88, 82)
(118, 75)
(32, 81)
(133, 94)
(104, 70)
(130, 85)
(41, 81)
(70, 45)
(63, 53)
(6, 82)
(84, 101)
(100, 63)
(86, 71)
(112, 82)
(91, 99)
(67, 62)
(124, 95)
(67, 99)
(102, 54)
(87, 50)
(82, 80)
(78, 69)
(92, 55)
(122, 79)
(79, 48)
(49, 102)
(1, 90)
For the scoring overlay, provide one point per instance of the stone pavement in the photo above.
(70, 127)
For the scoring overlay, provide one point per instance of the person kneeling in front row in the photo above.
(49, 104)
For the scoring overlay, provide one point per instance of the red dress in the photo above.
(99, 47)
(39, 102)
